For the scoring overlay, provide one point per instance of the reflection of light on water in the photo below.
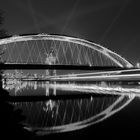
(69, 115)
(50, 106)
(102, 88)
(54, 116)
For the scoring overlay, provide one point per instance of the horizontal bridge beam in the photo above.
(58, 67)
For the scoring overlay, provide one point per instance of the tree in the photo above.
(3, 33)
(10, 118)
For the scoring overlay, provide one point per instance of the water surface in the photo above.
(55, 115)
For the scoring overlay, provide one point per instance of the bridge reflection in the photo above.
(18, 87)
(54, 115)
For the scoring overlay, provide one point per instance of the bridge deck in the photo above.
(98, 73)
(59, 67)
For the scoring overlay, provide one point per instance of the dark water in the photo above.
(95, 114)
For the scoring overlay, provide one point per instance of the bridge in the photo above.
(101, 74)
(64, 58)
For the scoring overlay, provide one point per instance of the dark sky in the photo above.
(115, 24)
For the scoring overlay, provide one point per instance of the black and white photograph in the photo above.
(69, 69)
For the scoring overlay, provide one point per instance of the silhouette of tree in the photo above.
(3, 33)
(10, 119)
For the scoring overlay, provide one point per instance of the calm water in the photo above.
(47, 115)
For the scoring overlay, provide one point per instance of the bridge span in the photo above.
(96, 73)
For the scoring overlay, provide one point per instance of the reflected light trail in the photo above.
(120, 77)
(102, 88)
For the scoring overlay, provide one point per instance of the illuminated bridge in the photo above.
(61, 58)
(58, 54)
(34, 49)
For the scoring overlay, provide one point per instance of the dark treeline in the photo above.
(10, 119)
(3, 32)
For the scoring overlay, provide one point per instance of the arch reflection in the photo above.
(61, 115)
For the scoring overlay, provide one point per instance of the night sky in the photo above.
(115, 24)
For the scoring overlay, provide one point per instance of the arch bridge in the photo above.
(57, 52)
